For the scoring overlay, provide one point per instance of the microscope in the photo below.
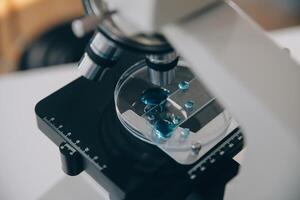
(165, 87)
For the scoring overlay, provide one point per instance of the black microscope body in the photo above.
(81, 120)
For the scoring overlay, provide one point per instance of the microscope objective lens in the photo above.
(185, 132)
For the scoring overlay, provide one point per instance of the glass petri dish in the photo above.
(173, 117)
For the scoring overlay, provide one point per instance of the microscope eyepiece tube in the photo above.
(161, 68)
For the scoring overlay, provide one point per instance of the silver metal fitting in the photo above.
(196, 148)
(100, 56)
(162, 58)
(104, 48)
(156, 68)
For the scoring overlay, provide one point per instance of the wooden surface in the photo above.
(21, 21)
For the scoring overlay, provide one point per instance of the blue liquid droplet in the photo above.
(184, 85)
(154, 96)
(176, 120)
(185, 132)
(164, 129)
(189, 104)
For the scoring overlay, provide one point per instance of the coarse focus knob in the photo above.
(72, 163)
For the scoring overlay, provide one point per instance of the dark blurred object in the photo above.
(22, 22)
(55, 47)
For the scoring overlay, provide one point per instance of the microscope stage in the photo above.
(81, 119)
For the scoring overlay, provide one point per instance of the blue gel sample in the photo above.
(184, 85)
(164, 129)
(154, 96)
(185, 132)
(189, 104)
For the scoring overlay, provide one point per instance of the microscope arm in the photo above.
(259, 84)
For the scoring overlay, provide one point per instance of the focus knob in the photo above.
(72, 163)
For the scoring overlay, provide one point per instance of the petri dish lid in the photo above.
(175, 117)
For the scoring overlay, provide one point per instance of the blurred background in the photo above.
(37, 33)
